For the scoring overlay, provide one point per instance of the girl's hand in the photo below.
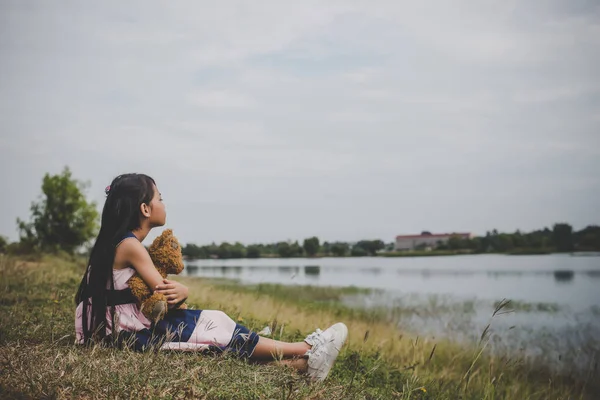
(173, 290)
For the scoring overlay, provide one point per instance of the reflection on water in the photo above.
(312, 270)
(564, 276)
(593, 274)
(570, 280)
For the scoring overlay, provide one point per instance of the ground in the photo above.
(39, 360)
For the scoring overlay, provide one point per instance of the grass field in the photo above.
(39, 360)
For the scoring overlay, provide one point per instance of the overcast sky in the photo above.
(265, 121)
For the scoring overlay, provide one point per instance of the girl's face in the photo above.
(158, 214)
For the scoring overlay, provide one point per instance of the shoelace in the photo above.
(317, 340)
(315, 337)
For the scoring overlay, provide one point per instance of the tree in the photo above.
(519, 240)
(455, 242)
(311, 246)
(284, 250)
(358, 251)
(562, 237)
(193, 251)
(253, 251)
(476, 244)
(296, 250)
(238, 250)
(588, 238)
(224, 250)
(62, 219)
(505, 242)
(370, 246)
(3, 244)
(339, 249)
(326, 248)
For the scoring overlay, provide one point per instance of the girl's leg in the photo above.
(290, 354)
(269, 349)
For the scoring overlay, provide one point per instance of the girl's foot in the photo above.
(325, 348)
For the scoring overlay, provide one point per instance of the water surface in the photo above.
(555, 298)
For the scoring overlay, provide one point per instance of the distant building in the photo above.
(426, 240)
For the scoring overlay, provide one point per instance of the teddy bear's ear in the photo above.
(156, 242)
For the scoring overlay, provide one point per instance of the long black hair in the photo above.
(120, 215)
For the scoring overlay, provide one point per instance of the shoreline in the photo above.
(409, 254)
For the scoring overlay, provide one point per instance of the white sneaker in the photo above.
(325, 348)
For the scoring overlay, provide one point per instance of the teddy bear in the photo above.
(165, 252)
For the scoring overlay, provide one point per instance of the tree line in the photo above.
(561, 238)
(63, 220)
(310, 247)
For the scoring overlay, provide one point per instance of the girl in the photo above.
(133, 207)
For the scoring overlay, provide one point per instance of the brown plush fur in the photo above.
(165, 253)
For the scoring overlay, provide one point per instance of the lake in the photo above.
(555, 299)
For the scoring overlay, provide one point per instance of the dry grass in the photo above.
(38, 359)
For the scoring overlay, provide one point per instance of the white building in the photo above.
(425, 239)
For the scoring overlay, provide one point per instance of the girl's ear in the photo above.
(145, 209)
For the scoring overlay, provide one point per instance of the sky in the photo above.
(267, 121)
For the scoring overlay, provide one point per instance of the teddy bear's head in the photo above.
(165, 252)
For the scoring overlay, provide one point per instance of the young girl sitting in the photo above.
(133, 207)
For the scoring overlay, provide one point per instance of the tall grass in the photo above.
(39, 360)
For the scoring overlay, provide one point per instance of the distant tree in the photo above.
(475, 244)
(253, 251)
(455, 242)
(284, 250)
(339, 249)
(211, 251)
(520, 240)
(193, 251)
(238, 250)
(311, 246)
(358, 251)
(505, 242)
(296, 250)
(562, 237)
(326, 248)
(270, 249)
(588, 238)
(370, 246)
(224, 250)
(3, 244)
(62, 219)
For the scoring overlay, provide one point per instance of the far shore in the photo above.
(426, 253)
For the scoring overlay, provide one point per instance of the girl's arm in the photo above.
(136, 255)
